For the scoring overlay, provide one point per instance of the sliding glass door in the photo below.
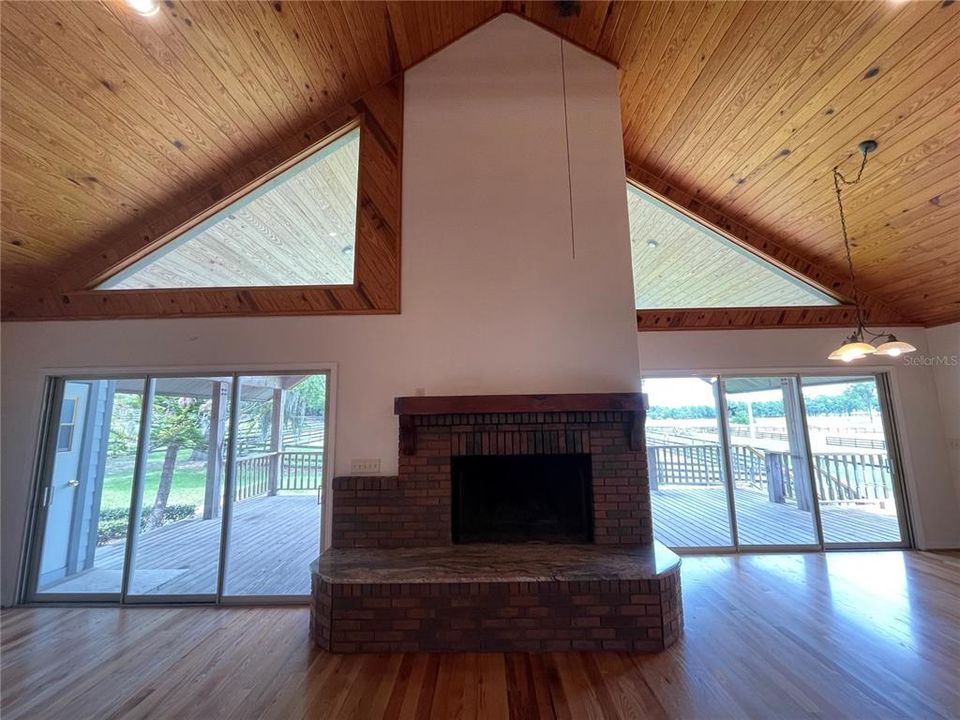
(769, 462)
(855, 479)
(772, 462)
(688, 480)
(85, 496)
(176, 551)
(280, 443)
(180, 488)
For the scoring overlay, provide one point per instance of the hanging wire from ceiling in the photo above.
(566, 135)
(857, 346)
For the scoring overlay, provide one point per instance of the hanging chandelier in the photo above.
(862, 341)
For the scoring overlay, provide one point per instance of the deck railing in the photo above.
(839, 477)
(869, 443)
(268, 473)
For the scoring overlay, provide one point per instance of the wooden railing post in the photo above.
(276, 440)
(215, 440)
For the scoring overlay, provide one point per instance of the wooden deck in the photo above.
(274, 540)
(696, 516)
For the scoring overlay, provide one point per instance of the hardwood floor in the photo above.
(842, 635)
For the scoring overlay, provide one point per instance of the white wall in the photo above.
(493, 300)
(944, 361)
(932, 493)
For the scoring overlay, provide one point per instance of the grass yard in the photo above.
(187, 488)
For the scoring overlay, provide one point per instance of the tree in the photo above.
(861, 396)
(307, 398)
(124, 425)
(177, 422)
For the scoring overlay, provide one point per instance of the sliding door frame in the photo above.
(35, 530)
(891, 437)
(136, 507)
(52, 383)
(720, 402)
(223, 598)
(886, 399)
(803, 439)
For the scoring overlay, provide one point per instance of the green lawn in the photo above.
(187, 488)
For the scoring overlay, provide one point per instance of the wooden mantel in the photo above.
(471, 404)
(408, 407)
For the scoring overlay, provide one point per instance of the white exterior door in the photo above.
(61, 495)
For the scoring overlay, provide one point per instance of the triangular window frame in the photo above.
(821, 297)
(305, 159)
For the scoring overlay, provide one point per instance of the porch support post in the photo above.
(775, 476)
(653, 471)
(276, 439)
(218, 421)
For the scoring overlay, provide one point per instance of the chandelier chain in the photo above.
(838, 178)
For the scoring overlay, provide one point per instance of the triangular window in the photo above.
(681, 263)
(295, 227)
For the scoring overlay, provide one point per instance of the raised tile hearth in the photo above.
(497, 598)
(404, 572)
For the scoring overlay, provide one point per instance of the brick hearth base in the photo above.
(496, 598)
(393, 581)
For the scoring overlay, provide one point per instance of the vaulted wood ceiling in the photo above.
(110, 120)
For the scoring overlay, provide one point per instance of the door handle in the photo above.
(73, 483)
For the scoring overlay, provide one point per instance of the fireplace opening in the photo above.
(522, 498)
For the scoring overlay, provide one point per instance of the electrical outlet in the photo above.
(365, 466)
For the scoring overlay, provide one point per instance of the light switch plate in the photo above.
(365, 466)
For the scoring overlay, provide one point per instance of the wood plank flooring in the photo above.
(697, 517)
(842, 635)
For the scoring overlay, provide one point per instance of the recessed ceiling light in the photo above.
(147, 8)
(347, 249)
(652, 243)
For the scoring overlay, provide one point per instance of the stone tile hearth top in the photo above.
(491, 563)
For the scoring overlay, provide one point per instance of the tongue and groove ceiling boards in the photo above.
(116, 129)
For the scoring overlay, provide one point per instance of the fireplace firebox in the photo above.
(521, 498)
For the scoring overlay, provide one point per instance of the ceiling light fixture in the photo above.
(652, 243)
(857, 346)
(147, 8)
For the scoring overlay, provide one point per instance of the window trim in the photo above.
(831, 299)
(205, 220)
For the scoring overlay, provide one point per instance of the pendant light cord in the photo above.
(838, 178)
(566, 136)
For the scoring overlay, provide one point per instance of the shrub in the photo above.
(113, 521)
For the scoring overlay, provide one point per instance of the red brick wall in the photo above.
(636, 615)
(413, 508)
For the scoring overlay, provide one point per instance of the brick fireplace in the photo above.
(559, 481)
